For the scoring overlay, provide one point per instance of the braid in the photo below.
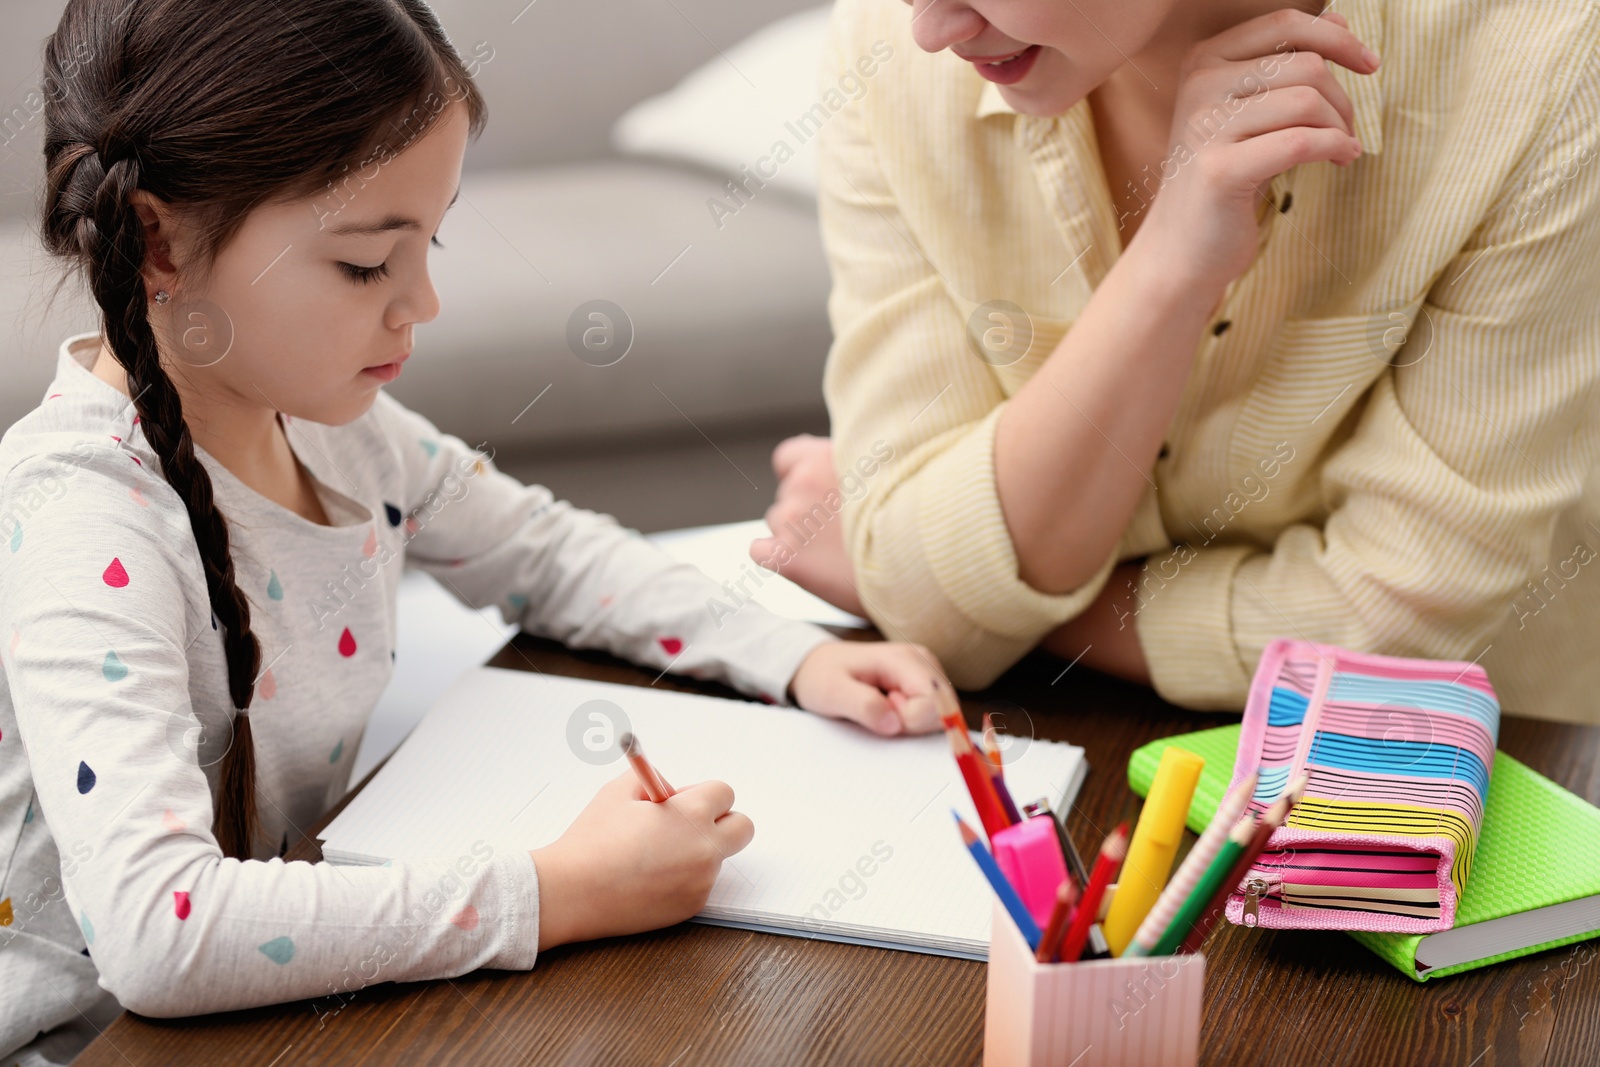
(111, 236)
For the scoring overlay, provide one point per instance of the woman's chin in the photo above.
(1050, 88)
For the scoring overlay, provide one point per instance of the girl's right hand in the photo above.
(1252, 102)
(626, 864)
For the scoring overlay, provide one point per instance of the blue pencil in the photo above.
(1008, 896)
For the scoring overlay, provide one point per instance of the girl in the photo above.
(206, 518)
(1194, 325)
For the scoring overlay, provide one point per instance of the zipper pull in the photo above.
(1254, 890)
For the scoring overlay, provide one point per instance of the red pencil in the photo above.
(1112, 853)
(1270, 820)
(979, 785)
(1050, 942)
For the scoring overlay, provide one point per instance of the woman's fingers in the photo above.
(802, 448)
(1287, 30)
(1260, 158)
(1281, 108)
(1303, 68)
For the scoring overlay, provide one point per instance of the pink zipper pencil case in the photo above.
(1398, 752)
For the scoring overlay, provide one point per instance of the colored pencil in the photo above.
(1273, 818)
(991, 745)
(987, 805)
(997, 772)
(991, 813)
(654, 785)
(1050, 940)
(1112, 853)
(1216, 874)
(1194, 865)
(1008, 895)
(1007, 805)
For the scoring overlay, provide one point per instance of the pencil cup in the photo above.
(1135, 1012)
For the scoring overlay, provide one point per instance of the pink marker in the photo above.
(1029, 855)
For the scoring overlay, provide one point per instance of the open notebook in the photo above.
(854, 839)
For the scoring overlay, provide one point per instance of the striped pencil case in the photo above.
(1398, 752)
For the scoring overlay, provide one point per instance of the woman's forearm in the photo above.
(1074, 446)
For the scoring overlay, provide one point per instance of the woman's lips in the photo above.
(1007, 70)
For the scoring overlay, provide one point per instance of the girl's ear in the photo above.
(160, 224)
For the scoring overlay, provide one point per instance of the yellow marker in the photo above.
(1155, 843)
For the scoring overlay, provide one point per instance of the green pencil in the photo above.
(1206, 888)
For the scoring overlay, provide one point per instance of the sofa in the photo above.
(729, 324)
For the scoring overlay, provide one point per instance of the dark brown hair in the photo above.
(217, 108)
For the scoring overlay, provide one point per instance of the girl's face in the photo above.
(309, 297)
(1051, 52)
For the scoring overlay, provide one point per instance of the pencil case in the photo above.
(1399, 753)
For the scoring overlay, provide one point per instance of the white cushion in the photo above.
(736, 109)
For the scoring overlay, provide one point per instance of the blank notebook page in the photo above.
(854, 840)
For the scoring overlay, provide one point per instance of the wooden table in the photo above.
(698, 994)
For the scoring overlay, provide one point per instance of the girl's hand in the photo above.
(821, 563)
(882, 685)
(626, 865)
(1252, 102)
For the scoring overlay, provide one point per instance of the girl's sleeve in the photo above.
(1446, 497)
(578, 576)
(99, 613)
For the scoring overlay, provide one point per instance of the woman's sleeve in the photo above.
(1444, 500)
(96, 599)
(578, 576)
(933, 556)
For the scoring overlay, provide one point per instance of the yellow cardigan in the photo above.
(1388, 440)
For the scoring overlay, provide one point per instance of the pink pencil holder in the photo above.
(1135, 1012)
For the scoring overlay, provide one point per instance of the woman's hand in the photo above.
(821, 563)
(626, 865)
(1252, 102)
(881, 685)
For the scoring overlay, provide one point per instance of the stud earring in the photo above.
(162, 296)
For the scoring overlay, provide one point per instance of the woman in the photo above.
(1190, 325)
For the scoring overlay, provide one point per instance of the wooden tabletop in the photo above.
(698, 994)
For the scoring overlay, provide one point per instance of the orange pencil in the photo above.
(1112, 853)
(654, 785)
(991, 746)
(1050, 943)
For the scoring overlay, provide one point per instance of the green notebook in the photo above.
(1535, 881)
